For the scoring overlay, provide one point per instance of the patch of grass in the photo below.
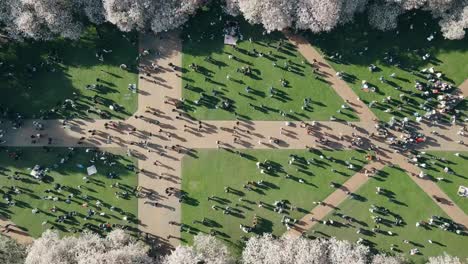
(37, 77)
(203, 45)
(211, 170)
(353, 47)
(436, 161)
(69, 175)
(404, 200)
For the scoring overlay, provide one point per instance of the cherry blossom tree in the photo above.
(444, 259)
(120, 248)
(345, 252)
(212, 250)
(182, 254)
(46, 19)
(452, 14)
(317, 15)
(267, 249)
(158, 15)
(206, 249)
(87, 248)
(273, 14)
(171, 14)
(262, 249)
(10, 251)
(39, 19)
(127, 14)
(453, 25)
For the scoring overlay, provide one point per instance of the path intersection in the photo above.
(159, 135)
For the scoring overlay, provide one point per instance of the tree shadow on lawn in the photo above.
(402, 46)
(41, 71)
(263, 226)
(205, 30)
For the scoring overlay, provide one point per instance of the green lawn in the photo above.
(69, 175)
(437, 161)
(403, 199)
(203, 38)
(63, 69)
(210, 171)
(359, 46)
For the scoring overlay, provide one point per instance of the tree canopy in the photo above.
(87, 248)
(120, 248)
(46, 19)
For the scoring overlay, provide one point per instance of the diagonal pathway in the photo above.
(334, 200)
(340, 86)
(464, 88)
(15, 232)
(433, 190)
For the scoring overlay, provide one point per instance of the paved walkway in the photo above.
(334, 200)
(156, 178)
(464, 89)
(13, 231)
(160, 164)
(431, 189)
(324, 69)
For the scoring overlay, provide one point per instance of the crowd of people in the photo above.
(70, 208)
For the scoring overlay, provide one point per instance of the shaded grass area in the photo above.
(404, 200)
(436, 161)
(37, 77)
(353, 47)
(67, 167)
(207, 88)
(212, 170)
